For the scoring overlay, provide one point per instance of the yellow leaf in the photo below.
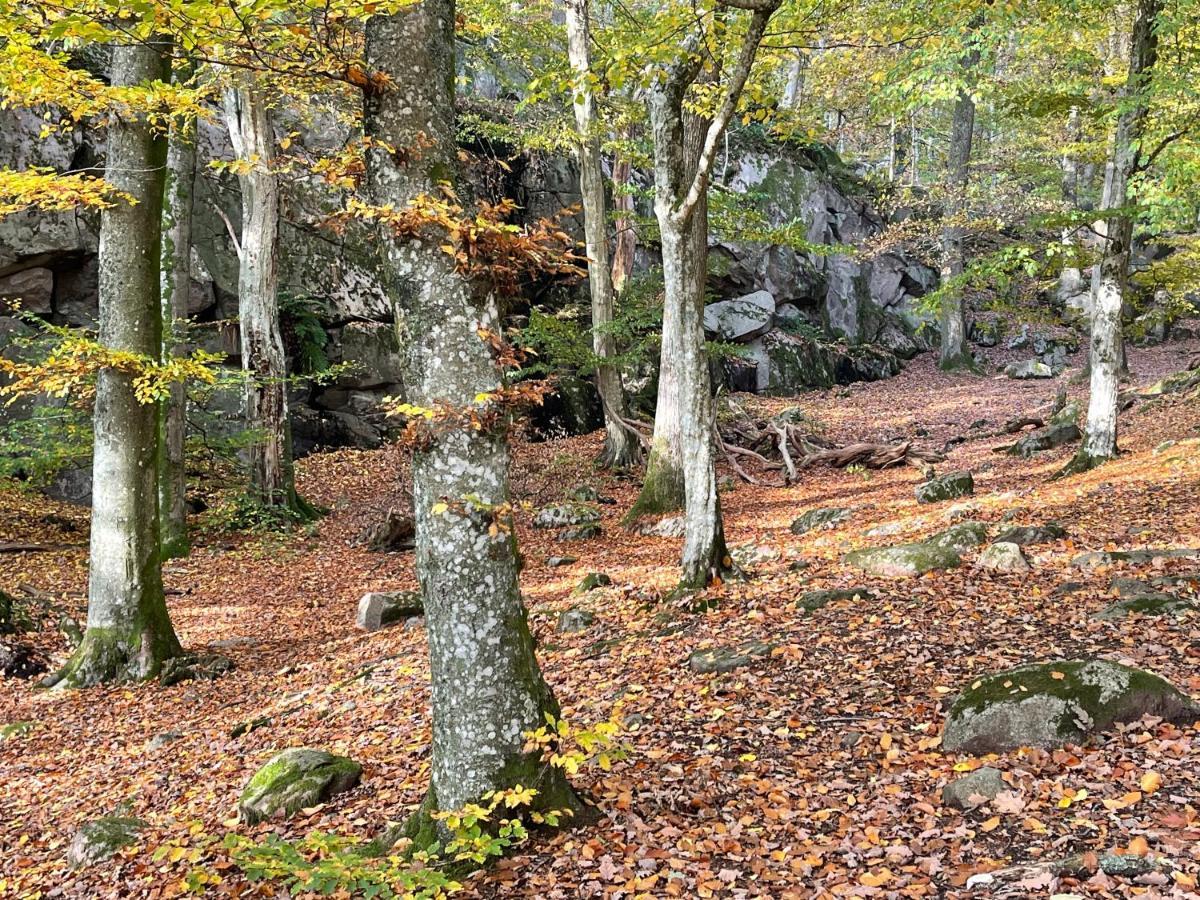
(438, 508)
(1138, 846)
(990, 825)
(1150, 782)
(1057, 676)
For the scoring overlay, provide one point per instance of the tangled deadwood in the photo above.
(790, 441)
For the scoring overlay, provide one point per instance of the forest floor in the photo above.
(816, 771)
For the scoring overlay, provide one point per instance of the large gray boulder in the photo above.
(1031, 368)
(946, 487)
(790, 364)
(960, 537)
(101, 839)
(741, 319)
(1049, 437)
(824, 517)
(904, 560)
(1055, 703)
(1003, 557)
(295, 779)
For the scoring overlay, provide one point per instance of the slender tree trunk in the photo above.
(176, 285)
(620, 443)
(1070, 282)
(954, 353)
(264, 362)
(487, 689)
(129, 633)
(1107, 350)
(793, 92)
(626, 242)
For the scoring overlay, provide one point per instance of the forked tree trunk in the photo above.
(129, 633)
(264, 362)
(176, 285)
(1107, 350)
(620, 442)
(954, 353)
(487, 689)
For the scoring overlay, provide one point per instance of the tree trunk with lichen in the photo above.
(954, 353)
(621, 448)
(487, 689)
(264, 361)
(1106, 357)
(129, 633)
(175, 279)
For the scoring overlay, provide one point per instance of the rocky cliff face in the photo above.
(48, 261)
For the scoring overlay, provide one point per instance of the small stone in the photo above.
(566, 514)
(946, 487)
(167, 737)
(379, 609)
(194, 667)
(100, 839)
(1003, 557)
(814, 600)
(726, 659)
(1031, 368)
(1028, 535)
(295, 779)
(556, 561)
(974, 789)
(828, 517)
(591, 581)
(579, 533)
(575, 619)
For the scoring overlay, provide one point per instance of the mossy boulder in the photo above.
(826, 517)
(100, 839)
(1003, 557)
(1151, 603)
(1056, 703)
(961, 537)
(946, 487)
(1030, 368)
(810, 601)
(1028, 535)
(579, 532)
(571, 513)
(726, 659)
(575, 619)
(591, 581)
(1095, 559)
(904, 560)
(294, 779)
(1056, 434)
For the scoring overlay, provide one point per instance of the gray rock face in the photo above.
(726, 659)
(1051, 704)
(904, 560)
(295, 779)
(31, 289)
(1003, 557)
(379, 609)
(572, 513)
(575, 619)
(827, 517)
(741, 319)
(974, 789)
(946, 487)
(372, 349)
(789, 364)
(1031, 368)
(101, 839)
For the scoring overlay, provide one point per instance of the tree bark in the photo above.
(175, 279)
(621, 447)
(264, 362)
(1070, 281)
(954, 353)
(129, 633)
(487, 689)
(1107, 350)
(626, 241)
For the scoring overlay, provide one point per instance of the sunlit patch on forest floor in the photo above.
(815, 771)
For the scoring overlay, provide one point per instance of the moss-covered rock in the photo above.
(1056, 434)
(904, 560)
(1094, 559)
(1147, 604)
(826, 517)
(572, 513)
(810, 601)
(575, 619)
(194, 667)
(99, 839)
(1003, 557)
(961, 537)
(591, 581)
(726, 659)
(294, 779)
(1052, 704)
(1028, 535)
(946, 487)
(579, 532)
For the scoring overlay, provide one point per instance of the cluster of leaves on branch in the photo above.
(486, 247)
(45, 189)
(69, 370)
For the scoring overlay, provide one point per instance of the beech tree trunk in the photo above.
(620, 443)
(1107, 350)
(175, 279)
(129, 633)
(264, 362)
(487, 689)
(626, 242)
(954, 353)
(1070, 282)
